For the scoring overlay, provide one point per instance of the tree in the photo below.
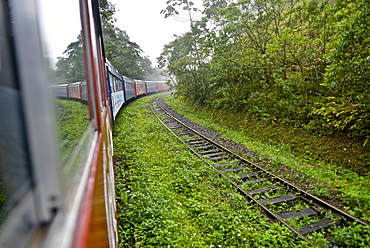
(302, 62)
(124, 54)
(70, 68)
(346, 108)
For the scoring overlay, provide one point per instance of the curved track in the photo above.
(298, 210)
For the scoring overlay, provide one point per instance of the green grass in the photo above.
(73, 120)
(333, 166)
(169, 198)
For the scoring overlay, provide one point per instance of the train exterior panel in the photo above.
(151, 87)
(129, 88)
(116, 89)
(84, 91)
(74, 91)
(140, 88)
(61, 90)
(118, 99)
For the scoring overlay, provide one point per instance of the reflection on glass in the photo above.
(61, 34)
(15, 176)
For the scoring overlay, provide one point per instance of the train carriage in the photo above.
(129, 88)
(151, 87)
(84, 93)
(75, 91)
(140, 87)
(61, 90)
(116, 89)
(56, 165)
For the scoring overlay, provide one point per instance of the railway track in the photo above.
(280, 200)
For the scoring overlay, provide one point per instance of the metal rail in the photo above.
(219, 157)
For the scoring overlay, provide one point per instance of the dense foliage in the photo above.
(125, 55)
(301, 62)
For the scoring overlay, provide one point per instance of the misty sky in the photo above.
(144, 24)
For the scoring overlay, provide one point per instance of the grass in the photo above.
(331, 166)
(73, 120)
(169, 198)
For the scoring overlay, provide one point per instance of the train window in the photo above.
(112, 80)
(129, 86)
(61, 34)
(15, 176)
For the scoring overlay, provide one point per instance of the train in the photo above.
(121, 90)
(57, 185)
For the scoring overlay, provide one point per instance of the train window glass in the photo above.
(15, 176)
(61, 33)
(112, 82)
(129, 85)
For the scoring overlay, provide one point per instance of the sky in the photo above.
(142, 21)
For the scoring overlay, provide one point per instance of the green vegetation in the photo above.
(318, 162)
(124, 54)
(73, 120)
(169, 198)
(303, 63)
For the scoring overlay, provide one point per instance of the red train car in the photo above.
(140, 88)
(75, 91)
(56, 166)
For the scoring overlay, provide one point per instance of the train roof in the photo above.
(127, 79)
(113, 70)
(76, 83)
(139, 81)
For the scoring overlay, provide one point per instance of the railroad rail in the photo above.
(280, 200)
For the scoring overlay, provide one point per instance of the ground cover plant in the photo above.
(299, 157)
(312, 159)
(168, 198)
(72, 119)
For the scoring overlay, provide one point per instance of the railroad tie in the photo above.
(204, 147)
(298, 214)
(233, 169)
(225, 164)
(325, 223)
(186, 132)
(207, 151)
(248, 175)
(275, 200)
(218, 158)
(258, 180)
(195, 142)
(215, 154)
(263, 190)
(200, 144)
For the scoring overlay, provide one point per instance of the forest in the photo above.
(303, 63)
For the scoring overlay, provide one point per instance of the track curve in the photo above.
(300, 211)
